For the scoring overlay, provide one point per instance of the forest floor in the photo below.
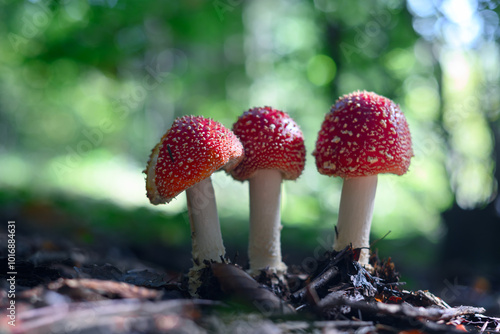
(60, 288)
(72, 273)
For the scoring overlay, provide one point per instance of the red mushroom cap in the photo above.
(272, 140)
(363, 134)
(191, 150)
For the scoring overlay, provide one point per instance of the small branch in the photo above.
(317, 283)
(404, 310)
(61, 318)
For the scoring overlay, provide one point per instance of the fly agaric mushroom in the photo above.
(274, 150)
(191, 150)
(363, 135)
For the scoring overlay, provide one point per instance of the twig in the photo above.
(405, 310)
(324, 277)
(122, 289)
(318, 282)
(90, 314)
(369, 326)
(484, 327)
(380, 239)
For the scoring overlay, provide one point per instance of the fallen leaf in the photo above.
(241, 287)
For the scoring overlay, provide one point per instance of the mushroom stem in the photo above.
(355, 215)
(264, 248)
(206, 236)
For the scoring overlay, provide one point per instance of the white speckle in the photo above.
(329, 165)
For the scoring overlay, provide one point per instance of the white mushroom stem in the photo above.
(264, 248)
(206, 236)
(355, 215)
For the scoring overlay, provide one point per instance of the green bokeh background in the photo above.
(88, 87)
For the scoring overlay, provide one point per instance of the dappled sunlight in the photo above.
(88, 88)
(112, 178)
(87, 96)
(465, 120)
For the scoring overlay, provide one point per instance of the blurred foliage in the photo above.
(88, 87)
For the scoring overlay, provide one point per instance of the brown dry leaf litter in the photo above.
(340, 296)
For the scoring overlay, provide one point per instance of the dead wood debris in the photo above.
(340, 296)
(239, 286)
(113, 316)
(88, 288)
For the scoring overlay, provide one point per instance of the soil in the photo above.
(61, 288)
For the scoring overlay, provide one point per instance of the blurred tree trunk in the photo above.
(471, 245)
